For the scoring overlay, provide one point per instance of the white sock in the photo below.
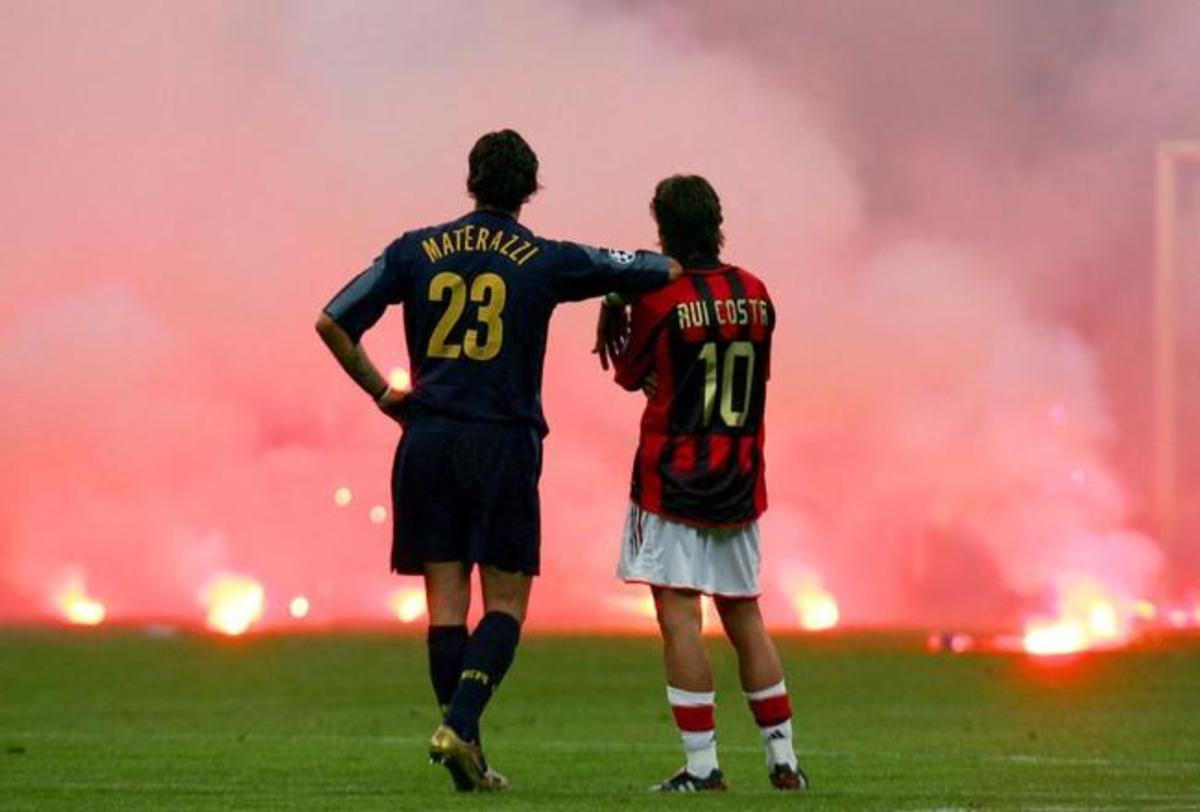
(694, 714)
(777, 738)
(701, 750)
(778, 743)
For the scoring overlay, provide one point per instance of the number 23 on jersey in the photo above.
(483, 340)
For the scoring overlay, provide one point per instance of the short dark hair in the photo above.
(502, 170)
(688, 213)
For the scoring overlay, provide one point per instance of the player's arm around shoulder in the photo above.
(578, 271)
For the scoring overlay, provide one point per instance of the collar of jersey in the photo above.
(702, 264)
(503, 215)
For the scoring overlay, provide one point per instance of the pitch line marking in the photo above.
(1092, 761)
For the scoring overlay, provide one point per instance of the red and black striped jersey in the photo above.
(707, 337)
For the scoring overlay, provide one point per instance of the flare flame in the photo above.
(77, 606)
(234, 603)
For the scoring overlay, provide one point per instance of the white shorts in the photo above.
(715, 561)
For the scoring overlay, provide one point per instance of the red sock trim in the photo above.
(774, 710)
(694, 718)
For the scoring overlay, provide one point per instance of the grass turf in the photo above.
(112, 719)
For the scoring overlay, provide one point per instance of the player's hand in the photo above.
(650, 384)
(394, 403)
(612, 328)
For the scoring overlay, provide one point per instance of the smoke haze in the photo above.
(951, 204)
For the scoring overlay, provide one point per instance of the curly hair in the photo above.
(688, 213)
(502, 171)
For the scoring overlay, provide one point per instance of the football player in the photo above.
(701, 349)
(477, 295)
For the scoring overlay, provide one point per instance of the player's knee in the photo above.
(448, 608)
(740, 617)
(679, 629)
(447, 593)
(679, 617)
(506, 592)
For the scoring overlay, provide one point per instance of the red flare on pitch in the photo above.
(1088, 618)
(77, 606)
(408, 604)
(234, 603)
(816, 607)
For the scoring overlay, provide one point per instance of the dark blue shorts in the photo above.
(466, 491)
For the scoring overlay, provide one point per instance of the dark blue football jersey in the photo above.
(478, 293)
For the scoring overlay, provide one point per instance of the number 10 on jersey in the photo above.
(720, 379)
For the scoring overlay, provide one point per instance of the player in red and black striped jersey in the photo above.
(701, 349)
(707, 339)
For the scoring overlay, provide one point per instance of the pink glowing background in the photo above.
(952, 203)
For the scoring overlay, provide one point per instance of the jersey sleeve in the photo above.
(583, 272)
(360, 303)
(637, 357)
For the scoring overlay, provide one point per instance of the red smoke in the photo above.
(951, 206)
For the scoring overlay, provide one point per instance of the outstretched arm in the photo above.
(358, 365)
(583, 272)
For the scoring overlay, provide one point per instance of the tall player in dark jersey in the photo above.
(477, 295)
(701, 348)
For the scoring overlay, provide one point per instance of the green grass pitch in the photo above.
(111, 719)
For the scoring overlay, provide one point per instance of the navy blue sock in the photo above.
(490, 652)
(446, 647)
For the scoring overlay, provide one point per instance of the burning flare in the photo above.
(408, 604)
(234, 603)
(1050, 637)
(1088, 618)
(299, 607)
(817, 608)
(76, 605)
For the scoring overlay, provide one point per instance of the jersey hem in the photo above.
(418, 410)
(693, 522)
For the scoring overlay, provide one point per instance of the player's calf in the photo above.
(446, 645)
(488, 655)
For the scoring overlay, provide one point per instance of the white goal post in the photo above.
(1169, 157)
